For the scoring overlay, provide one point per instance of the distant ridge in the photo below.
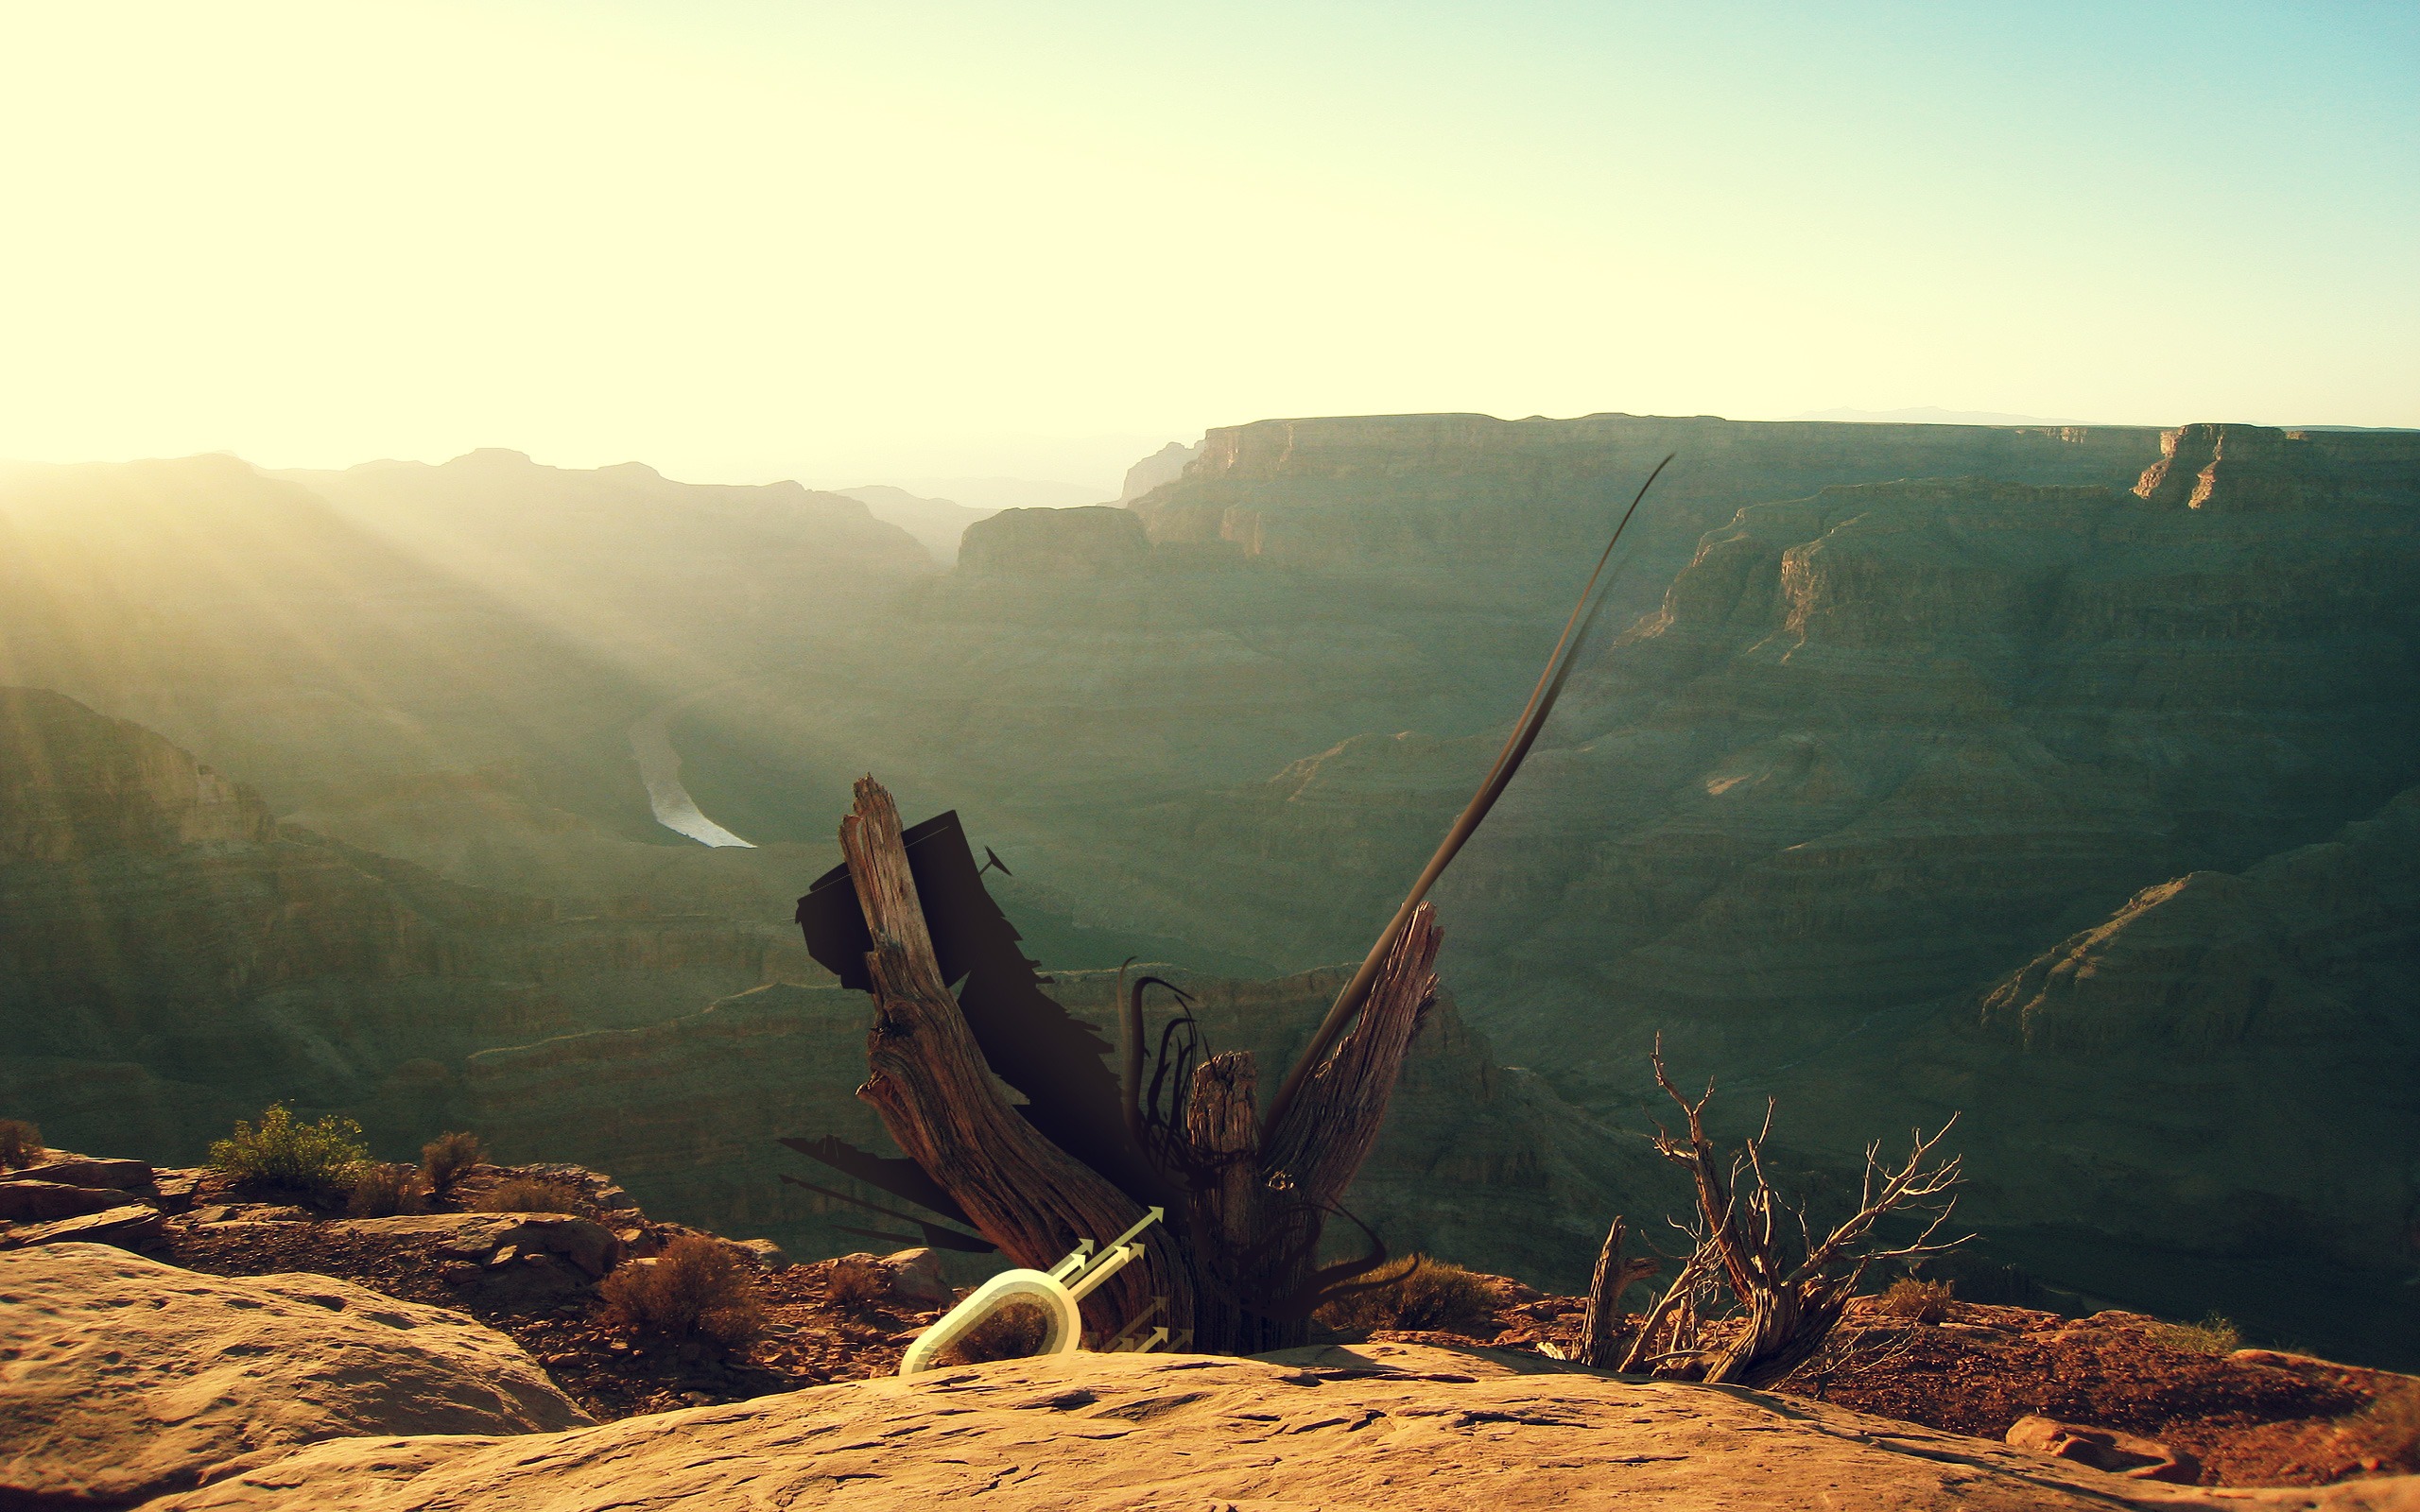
(1931, 415)
(935, 523)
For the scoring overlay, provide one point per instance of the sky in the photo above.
(863, 242)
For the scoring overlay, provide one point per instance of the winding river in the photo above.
(660, 768)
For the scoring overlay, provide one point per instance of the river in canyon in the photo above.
(660, 768)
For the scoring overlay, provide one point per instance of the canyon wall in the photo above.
(1915, 770)
(172, 960)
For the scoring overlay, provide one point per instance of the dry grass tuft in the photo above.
(698, 1288)
(382, 1191)
(856, 1284)
(443, 1159)
(526, 1195)
(1420, 1294)
(2214, 1334)
(20, 1143)
(1920, 1302)
(1013, 1332)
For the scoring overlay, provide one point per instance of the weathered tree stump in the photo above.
(1237, 1269)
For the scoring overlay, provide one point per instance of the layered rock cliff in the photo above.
(1091, 542)
(2317, 946)
(1878, 748)
(78, 785)
(172, 961)
(1466, 494)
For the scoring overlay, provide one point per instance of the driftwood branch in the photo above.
(938, 1099)
(1560, 661)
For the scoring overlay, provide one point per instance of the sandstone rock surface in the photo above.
(1428, 1429)
(130, 1226)
(121, 1377)
(41, 1201)
(82, 1171)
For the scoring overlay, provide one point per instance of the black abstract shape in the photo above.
(991, 859)
(896, 1175)
(1030, 1041)
(876, 1233)
(935, 1234)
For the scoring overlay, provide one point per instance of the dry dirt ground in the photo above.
(2248, 1416)
(810, 1339)
(2245, 1418)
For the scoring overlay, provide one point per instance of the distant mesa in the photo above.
(1163, 466)
(2247, 468)
(1931, 415)
(1098, 541)
(1008, 493)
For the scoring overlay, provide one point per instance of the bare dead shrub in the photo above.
(1919, 1301)
(1015, 1332)
(1416, 1294)
(382, 1191)
(696, 1290)
(20, 1143)
(444, 1159)
(1786, 1289)
(527, 1195)
(856, 1284)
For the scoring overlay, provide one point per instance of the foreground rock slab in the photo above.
(131, 1225)
(1423, 1429)
(121, 1377)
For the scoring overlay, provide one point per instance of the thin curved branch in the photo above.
(1532, 720)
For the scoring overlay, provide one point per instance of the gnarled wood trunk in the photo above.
(1227, 1275)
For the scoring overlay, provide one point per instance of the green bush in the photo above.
(446, 1157)
(20, 1143)
(321, 1160)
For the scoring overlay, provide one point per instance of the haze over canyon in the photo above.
(2063, 778)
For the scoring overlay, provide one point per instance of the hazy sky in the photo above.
(857, 242)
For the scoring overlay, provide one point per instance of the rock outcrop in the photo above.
(1091, 541)
(1428, 1428)
(2318, 946)
(125, 1379)
(76, 784)
(1166, 465)
(1470, 494)
(2235, 468)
